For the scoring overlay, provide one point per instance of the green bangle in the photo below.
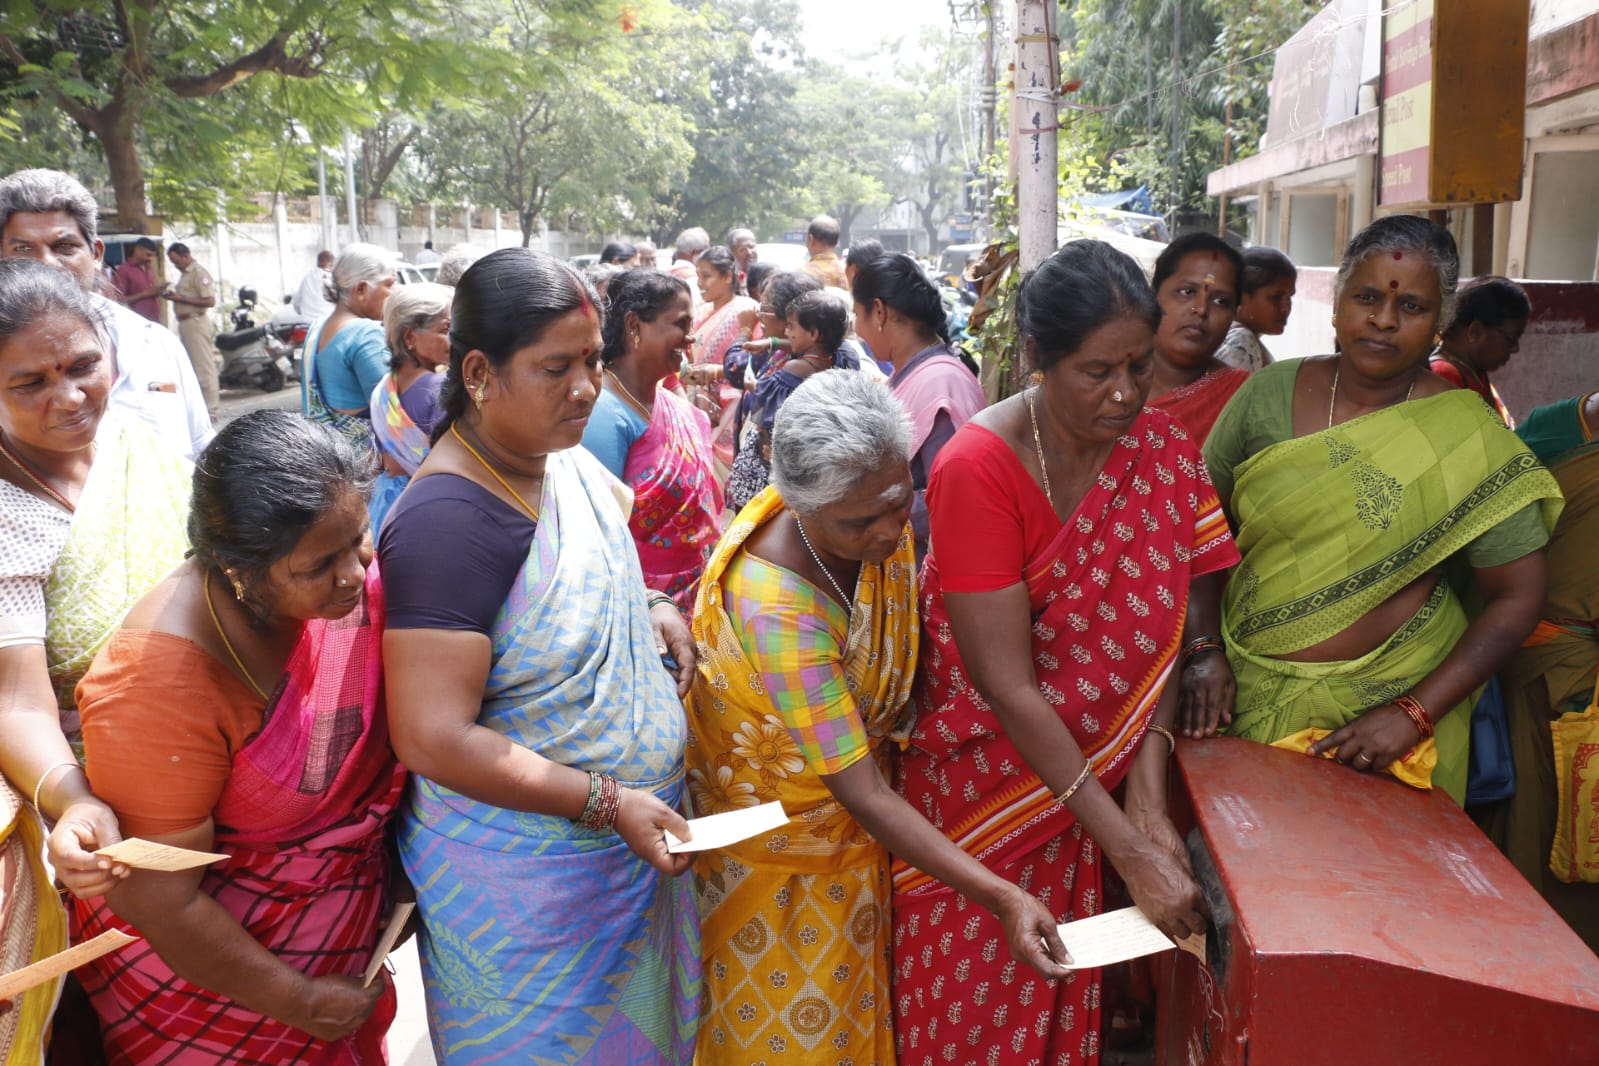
(658, 598)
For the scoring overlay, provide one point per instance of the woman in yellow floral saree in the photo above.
(799, 684)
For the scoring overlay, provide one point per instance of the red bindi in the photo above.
(1393, 284)
(1398, 256)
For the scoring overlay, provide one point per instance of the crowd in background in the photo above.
(552, 561)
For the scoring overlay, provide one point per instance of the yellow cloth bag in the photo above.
(1414, 768)
(1575, 855)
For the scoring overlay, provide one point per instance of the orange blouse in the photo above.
(162, 722)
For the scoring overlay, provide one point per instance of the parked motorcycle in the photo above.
(263, 357)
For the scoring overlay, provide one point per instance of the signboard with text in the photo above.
(1454, 87)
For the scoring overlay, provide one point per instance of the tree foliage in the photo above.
(1165, 72)
(189, 101)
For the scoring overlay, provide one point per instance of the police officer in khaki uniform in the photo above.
(192, 298)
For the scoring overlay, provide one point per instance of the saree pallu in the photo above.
(1333, 524)
(715, 333)
(544, 941)
(303, 820)
(399, 439)
(1114, 588)
(1198, 404)
(1553, 673)
(676, 501)
(127, 532)
(795, 921)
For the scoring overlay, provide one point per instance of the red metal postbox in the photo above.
(1360, 922)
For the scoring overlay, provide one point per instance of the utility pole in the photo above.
(1176, 109)
(989, 97)
(326, 207)
(349, 187)
(1035, 104)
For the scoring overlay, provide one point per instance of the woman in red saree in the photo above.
(239, 710)
(1067, 523)
(651, 438)
(1196, 283)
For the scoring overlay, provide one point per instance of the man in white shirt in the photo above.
(49, 216)
(427, 256)
(311, 298)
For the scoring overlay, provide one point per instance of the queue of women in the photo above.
(957, 643)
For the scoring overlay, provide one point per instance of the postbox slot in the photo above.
(1218, 941)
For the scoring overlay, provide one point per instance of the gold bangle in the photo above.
(1077, 784)
(1167, 733)
(39, 785)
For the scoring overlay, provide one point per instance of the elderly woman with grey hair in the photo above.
(405, 404)
(345, 354)
(807, 624)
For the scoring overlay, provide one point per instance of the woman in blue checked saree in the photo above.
(528, 697)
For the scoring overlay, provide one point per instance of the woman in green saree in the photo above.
(1350, 480)
(91, 516)
(1553, 670)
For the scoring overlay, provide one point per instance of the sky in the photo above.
(838, 29)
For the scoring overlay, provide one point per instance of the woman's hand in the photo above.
(1033, 935)
(641, 819)
(1158, 827)
(1206, 692)
(333, 1007)
(672, 636)
(85, 827)
(1372, 741)
(1164, 890)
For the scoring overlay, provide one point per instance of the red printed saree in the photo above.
(676, 500)
(1114, 584)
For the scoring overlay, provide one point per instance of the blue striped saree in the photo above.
(544, 942)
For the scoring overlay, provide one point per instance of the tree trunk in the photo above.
(526, 220)
(127, 176)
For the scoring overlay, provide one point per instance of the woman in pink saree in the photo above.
(724, 319)
(239, 710)
(651, 438)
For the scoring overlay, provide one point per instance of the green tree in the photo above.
(571, 130)
(750, 164)
(1165, 73)
(188, 98)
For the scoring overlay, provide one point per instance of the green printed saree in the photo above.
(1335, 523)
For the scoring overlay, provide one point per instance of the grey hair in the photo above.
(29, 290)
(456, 261)
(412, 307)
(357, 263)
(691, 242)
(1406, 233)
(836, 428)
(40, 191)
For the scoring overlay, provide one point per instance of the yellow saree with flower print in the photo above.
(789, 688)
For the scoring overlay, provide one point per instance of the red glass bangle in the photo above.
(1418, 714)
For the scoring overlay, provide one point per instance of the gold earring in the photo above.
(635, 338)
(1438, 339)
(477, 396)
(238, 588)
(1334, 320)
(1036, 377)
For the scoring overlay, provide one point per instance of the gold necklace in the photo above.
(495, 474)
(1332, 400)
(38, 479)
(1038, 446)
(634, 400)
(226, 643)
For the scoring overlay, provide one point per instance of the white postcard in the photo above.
(719, 830)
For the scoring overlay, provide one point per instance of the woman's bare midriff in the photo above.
(1373, 628)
